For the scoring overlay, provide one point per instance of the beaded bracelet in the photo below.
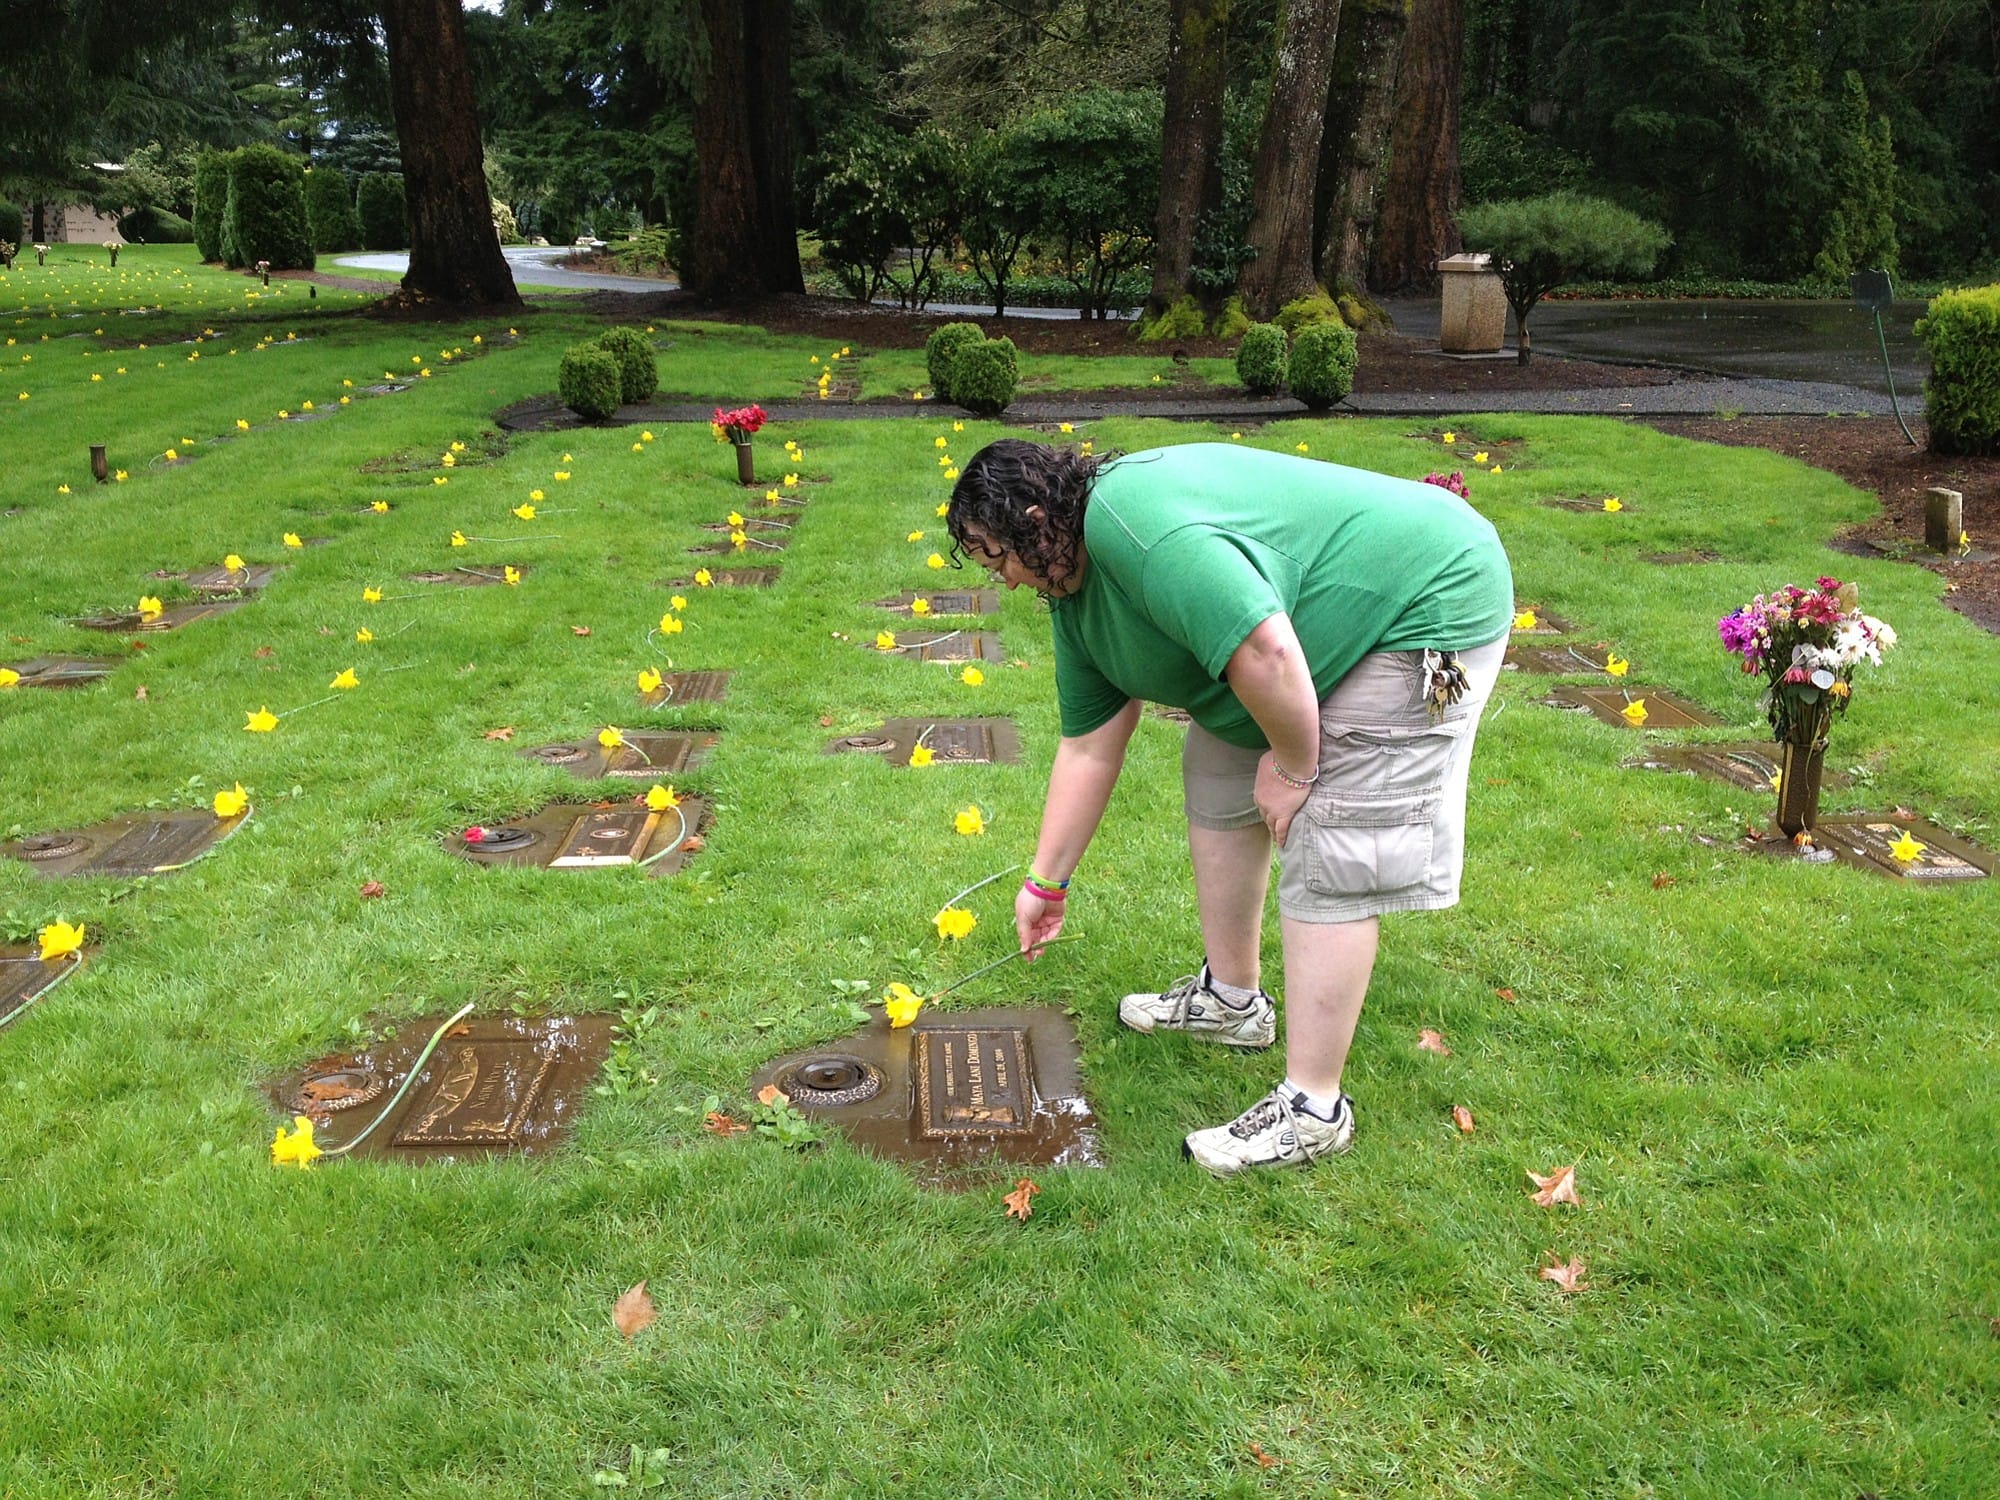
(1289, 779)
(1042, 894)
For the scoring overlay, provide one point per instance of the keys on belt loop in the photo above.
(1444, 682)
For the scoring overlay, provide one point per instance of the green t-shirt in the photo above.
(1190, 548)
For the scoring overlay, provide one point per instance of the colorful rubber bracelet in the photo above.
(1052, 897)
(1288, 778)
(1047, 884)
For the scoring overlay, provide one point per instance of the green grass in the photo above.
(1777, 1078)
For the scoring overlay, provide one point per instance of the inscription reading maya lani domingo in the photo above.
(483, 1094)
(973, 1083)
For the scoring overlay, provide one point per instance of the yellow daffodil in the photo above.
(60, 940)
(569, 458)
(671, 625)
(297, 1148)
(261, 722)
(450, 461)
(233, 563)
(915, 536)
(62, 489)
(1635, 711)
(440, 479)
(972, 677)
(9, 677)
(525, 512)
(1235, 437)
(772, 496)
(922, 756)
(345, 680)
(242, 425)
(510, 575)
(901, 1004)
(149, 607)
(1451, 437)
(371, 596)
(940, 442)
(954, 923)
(739, 540)
(562, 474)
(284, 415)
(1614, 505)
(1302, 447)
(229, 804)
(1087, 448)
(935, 560)
(1060, 427)
(1906, 848)
(649, 680)
(1495, 469)
(660, 798)
(1525, 620)
(305, 406)
(791, 481)
(380, 507)
(457, 446)
(292, 539)
(736, 518)
(678, 602)
(1616, 665)
(1479, 458)
(944, 508)
(638, 447)
(610, 737)
(884, 641)
(703, 578)
(920, 606)
(537, 496)
(645, 437)
(364, 635)
(458, 539)
(970, 821)
(172, 455)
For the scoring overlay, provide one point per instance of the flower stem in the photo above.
(989, 968)
(1000, 875)
(415, 1068)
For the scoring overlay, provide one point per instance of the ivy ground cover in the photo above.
(1774, 1080)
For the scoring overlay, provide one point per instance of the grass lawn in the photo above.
(1777, 1079)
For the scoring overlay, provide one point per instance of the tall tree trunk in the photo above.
(1361, 112)
(744, 238)
(1190, 143)
(1281, 193)
(455, 254)
(1417, 221)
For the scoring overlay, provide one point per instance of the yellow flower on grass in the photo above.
(380, 507)
(955, 427)
(739, 540)
(261, 722)
(703, 578)
(935, 560)
(450, 461)
(457, 447)
(901, 1004)
(915, 536)
(922, 756)
(305, 406)
(371, 596)
(537, 496)
(1614, 505)
(149, 606)
(678, 602)
(970, 821)
(62, 489)
(295, 1149)
(1635, 711)
(1525, 620)
(1302, 447)
(458, 539)
(1060, 427)
(1451, 437)
(440, 479)
(511, 575)
(649, 680)
(951, 473)
(772, 496)
(9, 677)
(233, 562)
(1480, 457)
(364, 635)
(645, 437)
(610, 737)
(525, 512)
(172, 456)
(972, 677)
(242, 425)
(884, 641)
(292, 539)
(660, 798)
(284, 415)
(562, 474)
(638, 447)
(60, 940)
(940, 442)
(1616, 665)
(229, 804)
(944, 509)
(671, 624)
(345, 680)
(736, 518)
(1495, 469)
(954, 922)
(96, 377)
(920, 606)
(791, 481)
(1906, 848)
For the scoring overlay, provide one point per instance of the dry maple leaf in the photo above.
(1462, 1118)
(634, 1312)
(717, 1123)
(505, 732)
(1662, 880)
(370, 889)
(1431, 1041)
(1020, 1204)
(771, 1094)
(326, 1091)
(694, 844)
(1264, 1460)
(1506, 993)
(1558, 1187)
(579, 630)
(460, 1030)
(1568, 1277)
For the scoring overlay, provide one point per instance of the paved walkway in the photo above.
(533, 266)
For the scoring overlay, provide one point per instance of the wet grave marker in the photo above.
(776, 543)
(945, 601)
(495, 1085)
(221, 580)
(1680, 559)
(25, 978)
(1545, 623)
(1867, 841)
(1750, 764)
(173, 617)
(62, 671)
(687, 687)
(945, 646)
(951, 741)
(1555, 660)
(952, 1091)
(1664, 710)
(728, 578)
(644, 753)
(569, 836)
(471, 575)
(137, 844)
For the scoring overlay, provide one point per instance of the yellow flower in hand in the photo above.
(649, 680)
(261, 722)
(296, 1149)
(345, 681)
(228, 804)
(660, 798)
(901, 1004)
(954, 922)
(970, 821)
(60, 940)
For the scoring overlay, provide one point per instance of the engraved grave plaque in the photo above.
(752, 545)
(1545, 623)
(945, 601)
(950, 741)
(1749, 764)
(221, 580)
(952, 646)
(1865, 841)
(645, 753)
(141, 844)
(729, 578)
(24, 979)
(610, 836)
(471, 575)
(1664, 710)
(62, 671)
(481, 1094)
(1554, 660)
(173, 617)
(567, 836)
(972, 1082)
(687, 687)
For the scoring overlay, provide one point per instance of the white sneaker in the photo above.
(1193, 1006)
(1273, 1132)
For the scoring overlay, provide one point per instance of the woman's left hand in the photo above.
(1277, 799)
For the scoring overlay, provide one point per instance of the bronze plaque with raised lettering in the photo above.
(1871, 843)
(973, 1082)
(729, 578)
(687, 687)
(1749, 764)
(171, 618)
(221, 580)
(24, 978)
(1545, 623)
(945, 601)
(155, 845)
(1556, 660)
(645, 753)
(62, 671)
(1659, 709)
(608, 836)
(952, 646)
(480, 1093)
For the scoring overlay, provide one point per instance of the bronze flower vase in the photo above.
(1799, 774)
(746, 467)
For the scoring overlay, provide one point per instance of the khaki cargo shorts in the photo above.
(1384, 827)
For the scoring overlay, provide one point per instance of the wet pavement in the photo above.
(533, 266)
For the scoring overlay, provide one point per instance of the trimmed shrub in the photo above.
(589, 381)
(330, 210)
(1304, 312)
(984, 375)
(211, 196)
(505, 224)
(941, 351)
(265, 216)
(1262, 359)
(638, 371)
(1323, 360)
(385, 223)
(10, 222)
(154, 226)
(1537, 244)
(1183, 320)
(1962, 402)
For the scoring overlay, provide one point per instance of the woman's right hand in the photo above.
(1037, 921)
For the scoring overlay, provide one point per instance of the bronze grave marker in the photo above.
(173, 617)
(470, 575)
(752, 546)
(644, 753)
(1664, 710)
(62, 671)
(25, 978)
(221, 580)
(569, 836)
(728, 578)
(1545, 623)
(687, 687)
(950, 741)
(946, 601)
(973, 1083)
(1554, 660)
(1867, 841)
(952, 646)
(1749, 764)
(136, 844)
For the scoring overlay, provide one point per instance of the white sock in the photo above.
(1234, 998)
(1317, 1105)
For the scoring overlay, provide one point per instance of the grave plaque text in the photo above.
(1545, 623)
(221, 580)
(608, 836)
(945, 601)
(1664, 710)
(972, 1082)
(729, 578)
(1867, 842)
(950, 741)
(687, 687)
(173, 617)
(946, 646)
(62, 671)
(482, 1094)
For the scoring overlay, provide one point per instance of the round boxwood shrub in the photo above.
(10, 222)
(330, 210)
(154, 226)
(265, 218)
(941, 351)
(589, 381)
(1261, 359)
(384, 218)
(211, 196)
(638, 371)
(1323, 360)
(983, 376)
(1961, 329)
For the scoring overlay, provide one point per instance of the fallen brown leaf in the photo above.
(1431, 1041)
(634, 1312)
(1505, 993)
(1902, 814)
(505, 732)
(694, 844)
(326, 1091)
(1662, 880)
(370, 889)
(459, 1030)
(1558, 1187)
(1264, 1460)
(1567, 1277)
(139, 693)
(771, 1094)
(717, 1123)
(826, 721)
(579, 630)
(1020, 1204)
(264, 651)
(1462, 1118)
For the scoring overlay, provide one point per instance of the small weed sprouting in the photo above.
(646, 1469)
(624, 1074)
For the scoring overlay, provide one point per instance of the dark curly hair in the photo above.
(1001, 483)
